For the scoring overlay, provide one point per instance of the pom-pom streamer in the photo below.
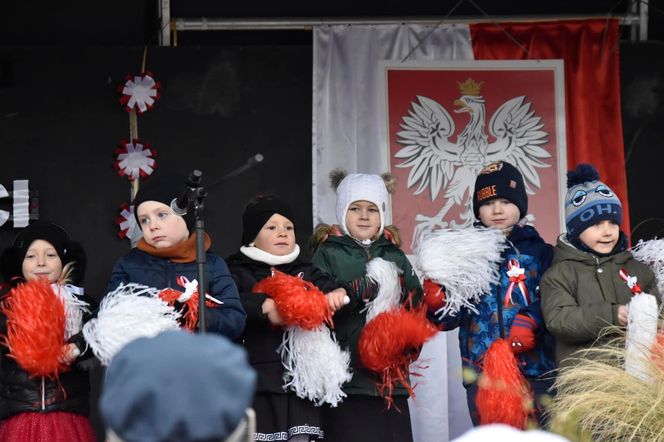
(299, 302)
(316, 368)
(36, 328)
(386, 275)
(130, 311)
(464, 261)
(390, 342)
(641, 335)
(651, 253)
(503, 396)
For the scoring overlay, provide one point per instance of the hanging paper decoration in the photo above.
(126, 222)
(135, 160)
(139, 92)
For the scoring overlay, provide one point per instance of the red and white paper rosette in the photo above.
(135, 160)
(126, 221)
(139, 92)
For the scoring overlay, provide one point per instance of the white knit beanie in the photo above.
(361, 187)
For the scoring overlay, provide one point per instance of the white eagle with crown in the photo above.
(438, 164)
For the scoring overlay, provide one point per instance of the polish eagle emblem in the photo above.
(438, 164)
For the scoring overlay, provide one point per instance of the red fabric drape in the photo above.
(589, 49)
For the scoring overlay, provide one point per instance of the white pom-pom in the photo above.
(316, 368)
(130, 311)
(74, 307)
(386, 275)
(641, 335)
(464, 261)
(651, 253)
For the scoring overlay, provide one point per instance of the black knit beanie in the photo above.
(163, 188)
(68, 250)
(500, 180)
(258, 211)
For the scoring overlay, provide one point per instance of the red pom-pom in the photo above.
(503, 395)
(189, 311)
(390, 342)
(299, 302)
(36, 328)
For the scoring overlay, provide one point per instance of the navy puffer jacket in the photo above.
(140, 267)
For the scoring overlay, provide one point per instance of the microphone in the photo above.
(180, 204)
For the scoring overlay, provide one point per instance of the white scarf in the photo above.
(273, 260)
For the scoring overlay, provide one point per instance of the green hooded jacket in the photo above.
(345, 260)
(581, 294)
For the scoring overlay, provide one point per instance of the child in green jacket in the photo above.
(586, 289)
(344, 252)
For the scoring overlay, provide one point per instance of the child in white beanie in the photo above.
(344, 251)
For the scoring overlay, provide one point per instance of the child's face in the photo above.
(601, 237)
(161, 227)
(41, 262)
(363, 220)
(277, 236)
(499, 213)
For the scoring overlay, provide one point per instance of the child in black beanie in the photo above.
(268, 242)
(38, 407)
(166, 256)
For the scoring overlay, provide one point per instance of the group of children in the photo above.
(570, 293)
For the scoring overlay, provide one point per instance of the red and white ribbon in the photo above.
(517, 278)
(631, 282)
(126, 222)
(135, 159)
(139, 92)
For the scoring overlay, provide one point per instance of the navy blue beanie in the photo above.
(177, 386)
(588, 201)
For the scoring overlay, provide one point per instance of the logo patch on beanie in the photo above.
(513, 184)
(486, 192)
(491, 168)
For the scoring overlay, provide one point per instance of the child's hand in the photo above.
(434, 295)
(269, 308)
(70, 353)
(337, 298)
(622, 315)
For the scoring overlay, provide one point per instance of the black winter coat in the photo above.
(261, 338)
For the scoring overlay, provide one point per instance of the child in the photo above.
(40, 408)
(584, 292)
(500, 201)
(166, 256)
(268, 240)
(344, 252)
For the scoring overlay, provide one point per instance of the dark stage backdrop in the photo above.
(60, 122)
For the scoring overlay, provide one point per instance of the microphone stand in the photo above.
(199, 227)
(196, 200)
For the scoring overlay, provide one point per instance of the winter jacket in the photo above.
(22, 393)
(581, 293)
(345, 259)
(140, 267)
(492, 320)
(261, 338)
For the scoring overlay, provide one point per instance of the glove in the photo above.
(434, 295)
(522, 334)
(362, 288)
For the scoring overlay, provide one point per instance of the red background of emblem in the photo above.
(403, 86)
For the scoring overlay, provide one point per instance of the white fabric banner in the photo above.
(349, 131)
